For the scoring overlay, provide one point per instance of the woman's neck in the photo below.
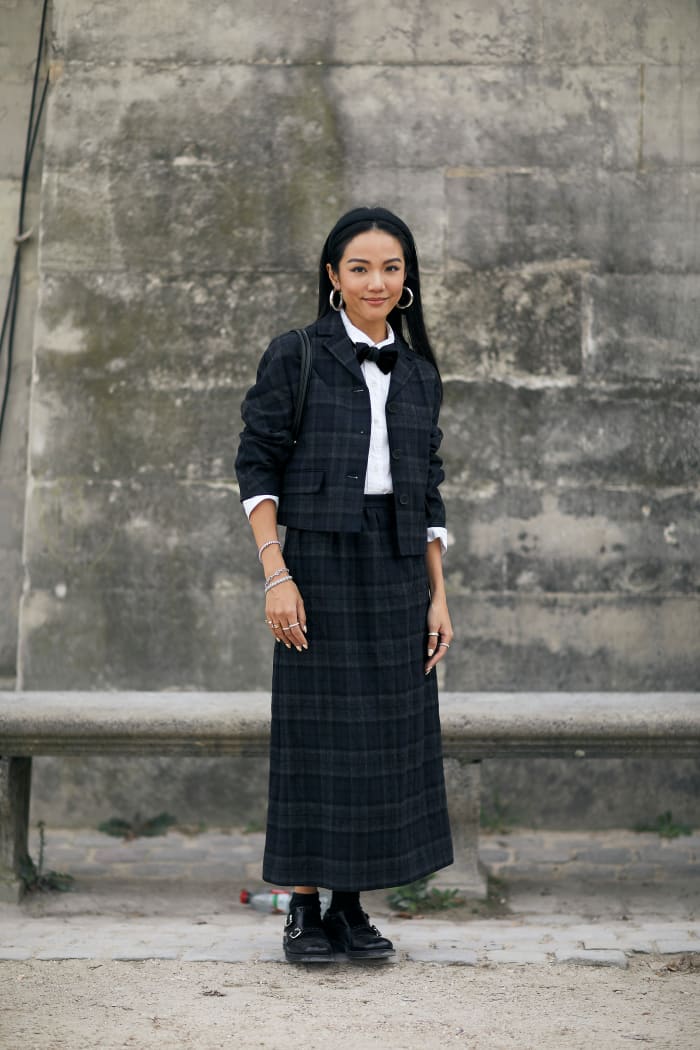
(375, 332)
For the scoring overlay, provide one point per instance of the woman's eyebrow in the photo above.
(396, 258)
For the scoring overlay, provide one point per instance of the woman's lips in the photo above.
(376, 302)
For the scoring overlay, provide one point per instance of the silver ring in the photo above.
(443, 645)
(433, 634)
(293, 625)
(288, 628)
(274, 626)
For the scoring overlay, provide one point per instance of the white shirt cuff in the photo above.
(251, 503)
(437, 532)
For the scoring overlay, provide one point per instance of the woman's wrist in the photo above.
(274, 567)
(272, 559)
(267, 546)
(271, 584)
(277, 572)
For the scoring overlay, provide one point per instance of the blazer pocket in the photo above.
(299, 481)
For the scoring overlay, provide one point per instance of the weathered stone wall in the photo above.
(19, 40)
(547, 156)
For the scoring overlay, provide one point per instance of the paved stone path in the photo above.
(591, 898)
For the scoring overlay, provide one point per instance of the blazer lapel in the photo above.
(402, 371)
(336, 341)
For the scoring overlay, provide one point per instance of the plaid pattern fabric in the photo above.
(357, 794)
(320, 480)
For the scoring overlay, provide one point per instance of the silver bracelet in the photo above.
(277, 572)
(264, 547)
(276, 583)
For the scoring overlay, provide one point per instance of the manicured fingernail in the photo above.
(306, 647)
(303, 627)
(298, 648)
(430, 652)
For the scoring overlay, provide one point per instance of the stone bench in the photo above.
(475, 726)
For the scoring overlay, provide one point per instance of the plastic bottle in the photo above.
(276, 902)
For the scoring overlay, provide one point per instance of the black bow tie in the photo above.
(384, 359)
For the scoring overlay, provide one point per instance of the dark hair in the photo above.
(359, 220)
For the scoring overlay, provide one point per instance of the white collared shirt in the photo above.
(378, 479)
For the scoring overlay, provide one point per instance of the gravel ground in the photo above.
(153, 950)
(402, 1006)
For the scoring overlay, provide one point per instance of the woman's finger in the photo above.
(277, 617)
(286, 610)
(297, 626)
(286, 617)
(441, 646)
(273, 626)
(293, 634)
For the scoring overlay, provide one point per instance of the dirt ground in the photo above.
(401, 1006)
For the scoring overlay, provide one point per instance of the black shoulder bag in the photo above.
(304, 378)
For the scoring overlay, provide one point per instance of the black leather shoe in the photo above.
(359, 941)
(304, 939)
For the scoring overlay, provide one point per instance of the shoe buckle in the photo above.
(296, 932)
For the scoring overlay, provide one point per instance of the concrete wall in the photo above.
(19, 39)
(547, 156)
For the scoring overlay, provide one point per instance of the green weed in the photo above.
(34, 877)
(418, 897)
(666, 827)
(137, 828)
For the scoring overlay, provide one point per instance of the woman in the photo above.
(356, 600)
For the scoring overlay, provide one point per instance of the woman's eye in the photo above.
(358, 269)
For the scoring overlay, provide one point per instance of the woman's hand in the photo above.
(285, 615)
(440, 633)
(284, 610)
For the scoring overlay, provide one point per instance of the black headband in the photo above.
(365, 215)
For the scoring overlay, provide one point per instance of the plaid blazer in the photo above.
(320, 479)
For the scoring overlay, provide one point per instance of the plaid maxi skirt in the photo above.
(357, 793)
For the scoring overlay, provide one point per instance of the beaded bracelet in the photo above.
(276, 583)
(269, 543)
(277, 572)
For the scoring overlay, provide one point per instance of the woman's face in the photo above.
(371, 277)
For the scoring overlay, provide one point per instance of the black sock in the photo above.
(349, 903)
(307, 900)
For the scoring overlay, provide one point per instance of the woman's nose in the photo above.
(376, 279)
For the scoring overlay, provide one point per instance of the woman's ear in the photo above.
(333, 275)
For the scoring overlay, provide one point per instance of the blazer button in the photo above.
(396, 454)
(403, 500)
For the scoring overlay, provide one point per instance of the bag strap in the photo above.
(304, 378)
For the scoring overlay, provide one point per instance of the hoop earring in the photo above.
(410, 301)
(330, 298)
